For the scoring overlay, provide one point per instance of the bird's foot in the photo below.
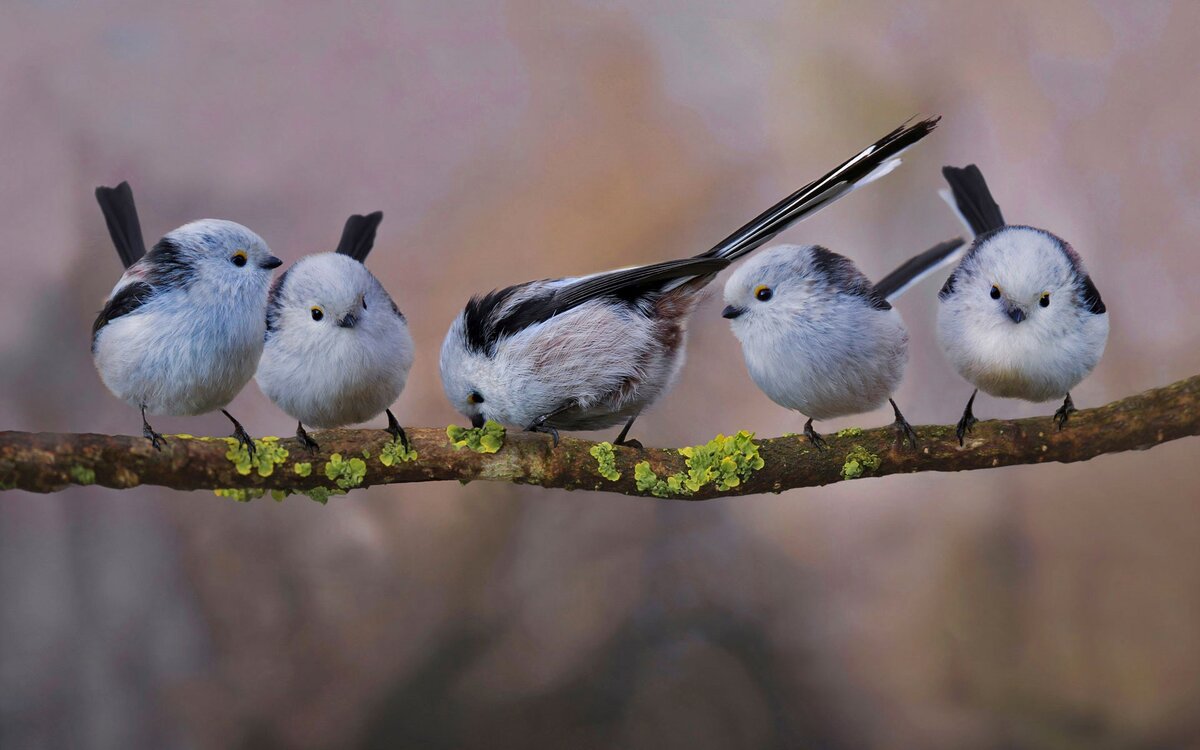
(539, 425)
(240, 433)
(307, 442)
(967, 422)
(396, 431)
(631, 443)
(156, 439)
(814, 437)
(1064, 412)
(904, 430)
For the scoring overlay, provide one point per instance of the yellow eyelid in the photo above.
(761, 287)
(316, 308)
(241, 253)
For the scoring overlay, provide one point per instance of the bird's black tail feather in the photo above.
(120, 214)
(358, 236)
(973, 199)
(868, 164)
(918, 267)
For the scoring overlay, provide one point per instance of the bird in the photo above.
(1019, 317)
(181, 332)
(338, 350)
(818, 337)
(591, 352)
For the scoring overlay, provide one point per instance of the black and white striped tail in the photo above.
(918, 267)
(971, 200)
(120, 214)
(871, 163)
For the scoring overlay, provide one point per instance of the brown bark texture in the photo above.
(47, 462)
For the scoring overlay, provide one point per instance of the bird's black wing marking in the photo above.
(915, 267)
(127, 299)
(1091, 297)
(489, 318)
(275, 302)
(120, 214)
(841, 273)
(358, 236)
(816, 195)
(973, 198)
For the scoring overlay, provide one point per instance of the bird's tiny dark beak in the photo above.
(477, 421)
(1015, 313)
(348, 322)
(732, 312)
(271, 262)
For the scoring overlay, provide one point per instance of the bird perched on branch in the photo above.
(818, 337)
(338, 350)
(591, 352)
(1019, 317)
(182, 331)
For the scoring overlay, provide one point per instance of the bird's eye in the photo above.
(317, 313)
(475, 398)
(364, 303)
(763, 293)
(995, 292)
(1045, 300)
(238, 259)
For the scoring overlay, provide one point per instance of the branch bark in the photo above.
(47, 462)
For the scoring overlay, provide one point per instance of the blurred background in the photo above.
(1032, 607)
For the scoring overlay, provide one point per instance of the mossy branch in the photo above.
(44, 462)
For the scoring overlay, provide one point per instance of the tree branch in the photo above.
(46, 462)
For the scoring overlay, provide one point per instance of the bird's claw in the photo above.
(814, 437)
(307, 442)
(539, 425)
(396, 431)
(156, 439)
(240, 434)
(632, 443)
(965, 425)
(1064, 412)
(905, 432)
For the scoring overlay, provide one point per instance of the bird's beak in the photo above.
(1014, 313)
(271, 262)
(477, 421)
(732, 312)
(348, 322)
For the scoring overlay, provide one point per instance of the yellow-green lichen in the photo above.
(279, 495)
(346, 473)
(83, 475)
(486, 439)
(850, 432)
(860, 461)
(322, 494)
(606, 460)
(394, 452)
(302, 469)
(724, 462)
(268, 454)
(241, 495)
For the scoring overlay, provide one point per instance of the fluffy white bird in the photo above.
(818, 337)
(182, 331)
(591, 352)
(338, 350)
(1019, 317)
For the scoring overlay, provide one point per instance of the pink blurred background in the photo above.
(1041, 607)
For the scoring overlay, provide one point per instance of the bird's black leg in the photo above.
(625, 431)
(968, 419)
(1064, 412)
(903, 428)
(240, 433)
(156, 439)
(813, 436)
(396, 430)
(539, 425)
(305, 440)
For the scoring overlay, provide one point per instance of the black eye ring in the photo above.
(1045, 300)
(238, 259)
(995, 292)
(317, 314)
(763, 294)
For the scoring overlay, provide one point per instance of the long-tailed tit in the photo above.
(1019, 317)
(338, 349)
(591, 352)
(818, 337)
(182, 331)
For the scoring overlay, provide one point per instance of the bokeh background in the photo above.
(1031, 607)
